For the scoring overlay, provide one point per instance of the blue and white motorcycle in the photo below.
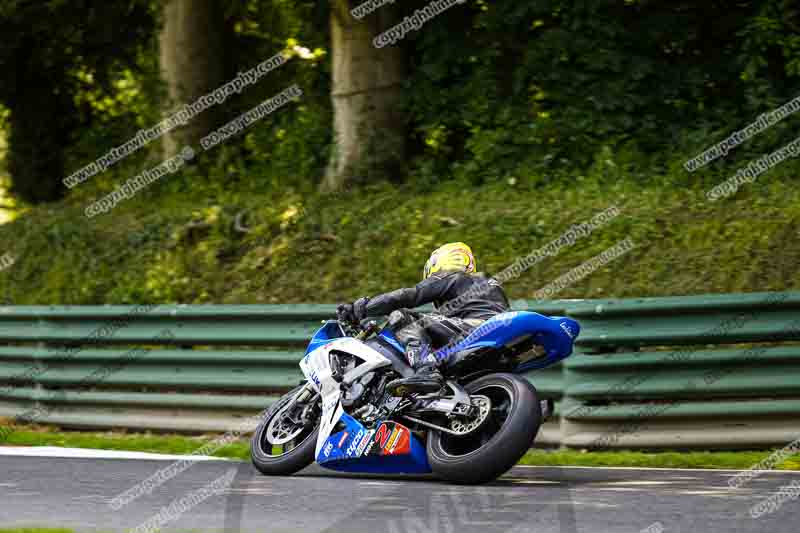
(472, 431)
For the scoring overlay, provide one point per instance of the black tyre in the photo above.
(499, 443)
(290, 456)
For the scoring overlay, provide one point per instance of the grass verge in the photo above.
(137, 442)
(36, 530)
(180, 444)
(316, 248)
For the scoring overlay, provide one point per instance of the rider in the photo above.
(462, 298)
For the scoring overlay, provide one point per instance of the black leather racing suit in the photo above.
(462, 302)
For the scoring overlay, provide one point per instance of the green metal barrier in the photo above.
(716, 371)
(649, 372)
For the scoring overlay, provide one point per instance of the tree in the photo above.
(369, 128)
(192, 63)
(50, 51)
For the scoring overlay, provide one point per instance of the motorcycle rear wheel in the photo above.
(488, 453)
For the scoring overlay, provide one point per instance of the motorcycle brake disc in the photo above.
(465, 427)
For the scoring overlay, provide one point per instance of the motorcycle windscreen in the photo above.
(329, 331)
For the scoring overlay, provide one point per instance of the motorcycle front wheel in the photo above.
(501, 440)
(283, 444)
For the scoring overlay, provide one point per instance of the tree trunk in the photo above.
(192, 65)
(369, 128)
(40, 124)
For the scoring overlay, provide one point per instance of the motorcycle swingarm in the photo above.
(459, 404)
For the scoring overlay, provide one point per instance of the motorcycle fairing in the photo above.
(316, 367)
(388, 448)
(354, 448)
(329, 331)
(556, 334)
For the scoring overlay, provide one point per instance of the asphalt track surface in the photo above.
(74, 492)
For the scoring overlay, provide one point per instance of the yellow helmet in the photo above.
(451, 256)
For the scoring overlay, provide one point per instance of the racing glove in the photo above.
(354, 312)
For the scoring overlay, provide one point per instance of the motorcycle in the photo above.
(476, 428)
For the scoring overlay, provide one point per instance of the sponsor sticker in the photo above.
(369, 446)
(382, 435)
(402, 444)
(341, 441)
(330, 403)
(392, 438)
(327, 450)
(364, 442)
(355, 443)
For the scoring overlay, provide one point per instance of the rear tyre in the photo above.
(297, 441)
(501, 441)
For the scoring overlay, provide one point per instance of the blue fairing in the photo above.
(358, 449)
(345, 451)
(389, 337)
(556, 334)
(329, 331)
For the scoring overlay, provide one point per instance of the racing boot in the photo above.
(426, 379)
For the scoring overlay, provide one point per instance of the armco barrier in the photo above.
(715, 371)
(651, 372)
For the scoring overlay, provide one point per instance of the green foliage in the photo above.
(496, 91)
(63, 62)
(525, 118)
(261, 245)
(501, 88)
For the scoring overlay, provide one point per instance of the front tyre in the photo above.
(285, 440)
(502, 440)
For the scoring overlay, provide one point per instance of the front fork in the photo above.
(306, 395)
